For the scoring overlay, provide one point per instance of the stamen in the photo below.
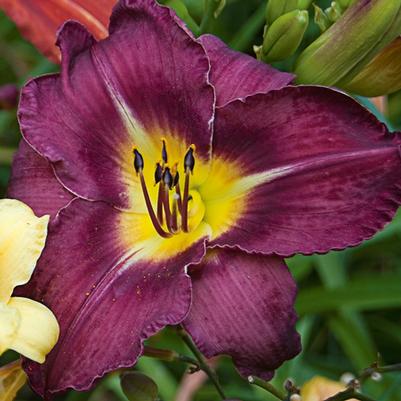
(158, 178)
(138, 161)
(158, 173)
(152, 215)
(167, 211)
(189, 159)
(168, 178)
(168, 184)
(164, 152)
(189, 164)
(160, 203)
(139, 164)
(176, 185)
(178, 193)
(174, 215)
(184, 210)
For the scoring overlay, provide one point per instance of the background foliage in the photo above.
(349, 302)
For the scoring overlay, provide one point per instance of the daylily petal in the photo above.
(9, 323)
(22, 238)
(320, 388)
(12, 378)
(315, 171)
(37, 331)
(236, 75)
(243, 306)
(34, 183)
(147, 81)
(108, 293)
(39, 20)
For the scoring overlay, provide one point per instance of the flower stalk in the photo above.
(202, 361)
(170, 356)
(267, 386)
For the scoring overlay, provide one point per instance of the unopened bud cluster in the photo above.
(287, 21)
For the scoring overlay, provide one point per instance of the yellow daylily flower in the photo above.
(26, 326)
(12, 378)
(320, 388)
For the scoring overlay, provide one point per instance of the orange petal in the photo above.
(39, 20)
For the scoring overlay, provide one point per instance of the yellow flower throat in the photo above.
(177, 210)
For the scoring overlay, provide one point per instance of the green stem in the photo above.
(207, 16)
(389, 368)
(169, 356)
(202, 361)
(367, 373)
(244, 37)
(266, 386)
(349, 394)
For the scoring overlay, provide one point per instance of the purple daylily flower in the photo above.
(265, 170)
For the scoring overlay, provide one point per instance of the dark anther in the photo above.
(164, 152)
(158, 173)
(168, 178)
(138, 161)
(176, 179)
(189, 159)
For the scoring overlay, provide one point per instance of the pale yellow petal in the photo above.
(22, 238)
(320, 388)
(38, 331)
(9, 323)
(12, 378)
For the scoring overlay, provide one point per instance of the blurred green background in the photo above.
(349, 302)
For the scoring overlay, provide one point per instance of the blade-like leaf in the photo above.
(381, 292)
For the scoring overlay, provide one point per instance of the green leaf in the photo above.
(138, 387)
(351, 333)
(300, 266)
(182, 11)
(366, 294)
(165, 379)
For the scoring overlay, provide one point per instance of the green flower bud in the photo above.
(284, 36)
(276, 8)
(138, 387)
(344, 4)
(303, 4)
(341, 52)
(321, 19)
(394, 109)
(382, 75)
(334, 11)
